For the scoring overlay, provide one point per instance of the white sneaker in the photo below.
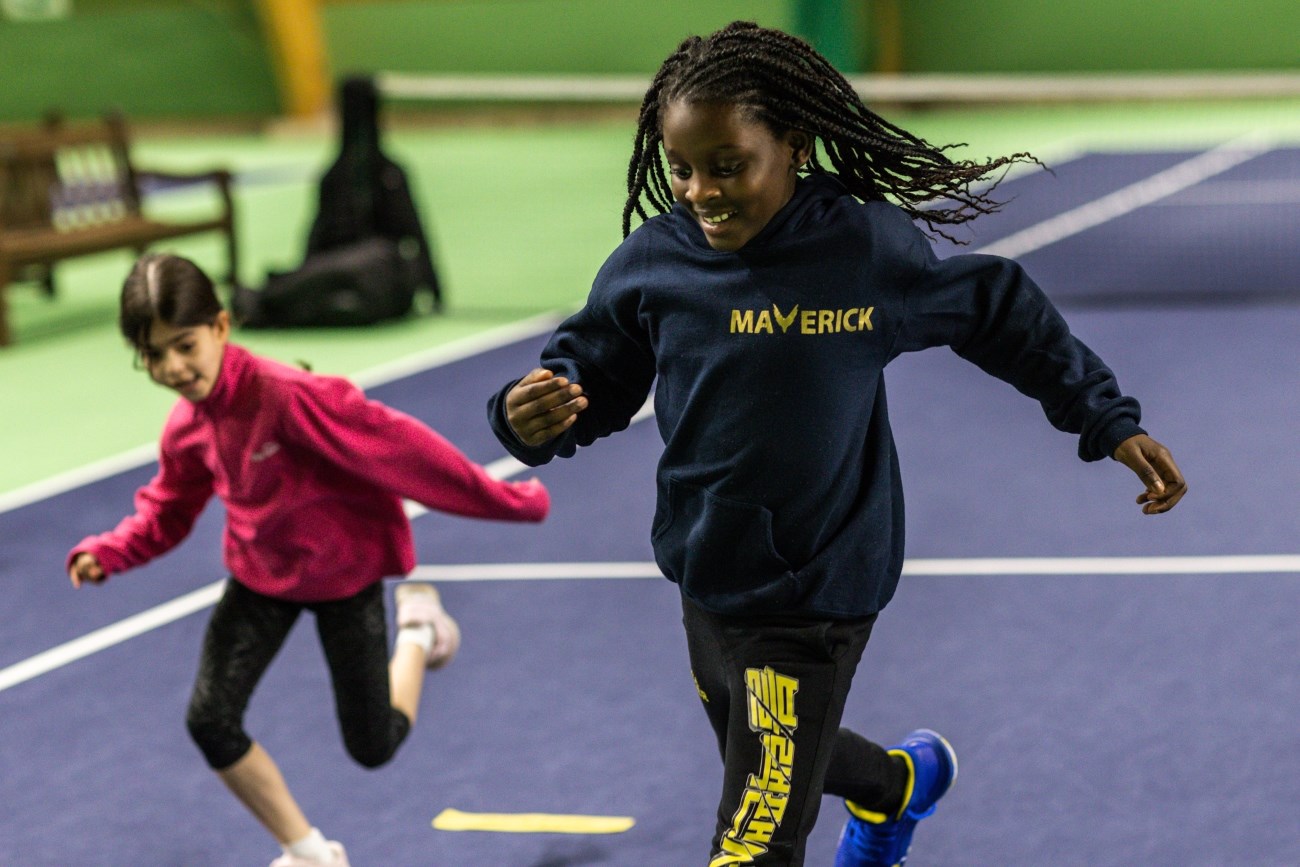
(340, 858)
(418, 604)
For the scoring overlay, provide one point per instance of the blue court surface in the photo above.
(1120, 689)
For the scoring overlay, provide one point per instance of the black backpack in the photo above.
(367, 252)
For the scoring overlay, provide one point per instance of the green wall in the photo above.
(171, 59)
(547, 36)
(1099, 35)
(168, 59)
(159, 59)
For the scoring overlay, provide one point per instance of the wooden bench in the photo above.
(69, 190)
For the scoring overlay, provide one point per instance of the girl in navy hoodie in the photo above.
(765, 296)
(312, 476)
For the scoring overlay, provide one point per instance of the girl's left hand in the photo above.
(1155, 466)
(85, 569)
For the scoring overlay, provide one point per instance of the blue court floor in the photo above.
(1120, 689)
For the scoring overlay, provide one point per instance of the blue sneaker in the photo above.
(879, 840)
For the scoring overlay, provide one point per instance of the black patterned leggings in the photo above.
(246, 631)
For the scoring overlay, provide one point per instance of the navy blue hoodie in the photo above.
(778, 488)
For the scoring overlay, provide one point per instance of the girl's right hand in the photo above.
(541, 406)
(86, 568)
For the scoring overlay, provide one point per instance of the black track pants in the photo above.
(774, 690)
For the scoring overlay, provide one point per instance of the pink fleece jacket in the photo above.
(312, 475)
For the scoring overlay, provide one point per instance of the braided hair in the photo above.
(784, 83)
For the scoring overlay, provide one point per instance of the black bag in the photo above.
(364, 193)
(367, 253)
(359, 284)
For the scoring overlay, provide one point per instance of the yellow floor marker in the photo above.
(531, 823)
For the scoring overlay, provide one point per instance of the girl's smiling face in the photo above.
(187, 359)
(729, 169)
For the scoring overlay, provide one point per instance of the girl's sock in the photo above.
(313, 847)
(421, 635)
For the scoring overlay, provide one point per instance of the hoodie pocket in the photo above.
(719, 550)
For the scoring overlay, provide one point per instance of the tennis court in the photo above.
(1119, 689)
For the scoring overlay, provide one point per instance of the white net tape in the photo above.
(873, 88)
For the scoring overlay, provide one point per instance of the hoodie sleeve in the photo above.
(605, 348)
(394, 451)
(989, 311)
(165, 511)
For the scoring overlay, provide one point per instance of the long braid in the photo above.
(788, 85)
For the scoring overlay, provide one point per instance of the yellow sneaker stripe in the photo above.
(863, 814)
(911, 780)
(876, 818)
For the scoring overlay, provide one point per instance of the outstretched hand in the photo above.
(541, 406)
(1155, 466)
(86, 569)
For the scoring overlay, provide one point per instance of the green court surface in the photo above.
(520, 217)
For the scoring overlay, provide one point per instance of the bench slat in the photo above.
(32, 246)
(68, 191)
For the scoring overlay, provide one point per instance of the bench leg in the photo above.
(4, 311)
(232, 251)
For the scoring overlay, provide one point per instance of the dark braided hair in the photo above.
(784, 83)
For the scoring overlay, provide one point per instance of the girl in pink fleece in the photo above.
(312, 475)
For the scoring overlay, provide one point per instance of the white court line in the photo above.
(501, 468)
(100, 639)
(1232, 564)
(961, 567)
(1238, 193)
(197, 600)
(1127, 199)
(161, 615)
(475, 344)
(428, 359)
(504, 468)
(535, 571)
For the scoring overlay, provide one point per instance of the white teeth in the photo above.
(720, 218)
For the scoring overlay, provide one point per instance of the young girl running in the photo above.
(312, 475)
(766, 298)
